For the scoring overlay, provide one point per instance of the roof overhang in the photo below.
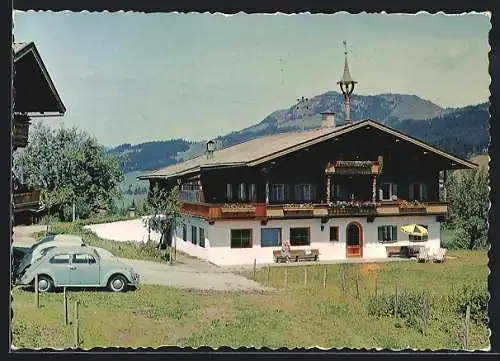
(193, 170)
(456, 162)
(355, 126)
(35, 93)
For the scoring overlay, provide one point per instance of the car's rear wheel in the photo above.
(45, 283)
(117, 283)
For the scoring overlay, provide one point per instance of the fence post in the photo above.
(286, 278)
(324, 277)
(37, 296)
(357, 283)
(424, 315)
(396, 301)
(65, 307)
(254, 267)
(77, 326)
(305, 277)
(343, 277)
(467, 321)
(268, 275)
(376, 286)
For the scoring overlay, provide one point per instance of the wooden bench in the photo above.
(297, 255)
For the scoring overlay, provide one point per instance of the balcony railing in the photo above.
(190, 196)
(27, 199)
(338, 209)
(20, 131)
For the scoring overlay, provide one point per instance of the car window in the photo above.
(60, 259)
(83, 258)
(43, 252)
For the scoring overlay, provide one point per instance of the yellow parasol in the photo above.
(415, 230)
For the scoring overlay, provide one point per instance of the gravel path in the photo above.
(190, 273)
(187, 276)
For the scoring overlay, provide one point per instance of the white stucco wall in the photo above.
(124, 231)
(217, 237)
(187, 246)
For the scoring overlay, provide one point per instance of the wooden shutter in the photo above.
(380, 234)
(298, 193)
(394, 233)
(287, 192)
(424, 191)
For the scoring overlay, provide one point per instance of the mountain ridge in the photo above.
(420, 118)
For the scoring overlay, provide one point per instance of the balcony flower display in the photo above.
(298, 207)
(411, 204)
(238, 207)
(353, 205)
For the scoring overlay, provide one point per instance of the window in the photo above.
(278, 192)
(304, 192)
(418, 191)
(252, 192)
(202, 237)
(387, 234)
(184, 232)
(60, 259)
(83, 258)
(270, 237)
(229, 191)
(44, 251)
(389, 190)
(334, 234)
(335, 191)
(241, 238)
(299, 236)
(242, 192)
(193, 234)
(419, 238)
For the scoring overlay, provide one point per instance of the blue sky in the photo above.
(134, 77)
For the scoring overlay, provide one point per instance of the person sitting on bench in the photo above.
(285, 251)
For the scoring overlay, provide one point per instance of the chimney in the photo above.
(210, 149)
(328, 119)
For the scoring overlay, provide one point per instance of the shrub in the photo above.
(409, 307)
(477, 297)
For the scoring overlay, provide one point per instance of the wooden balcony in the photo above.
(20, 131)
(27, 200)
(225, 211)
(309, 210)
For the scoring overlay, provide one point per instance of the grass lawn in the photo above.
(295, 317)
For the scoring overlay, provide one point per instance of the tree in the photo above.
(164, 210)
(467, 193)
(69, 166)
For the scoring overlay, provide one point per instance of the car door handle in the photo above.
(72, 267)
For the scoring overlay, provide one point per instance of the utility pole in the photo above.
(302, 107)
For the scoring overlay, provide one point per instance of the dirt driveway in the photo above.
(188, 273)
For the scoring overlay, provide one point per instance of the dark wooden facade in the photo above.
(34, 95)
(306, 183)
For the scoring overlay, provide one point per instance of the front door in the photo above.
(84, 270)
(354, 240)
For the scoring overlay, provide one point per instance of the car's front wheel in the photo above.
(45, 283)
(117, 283)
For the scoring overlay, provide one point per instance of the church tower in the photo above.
(347, 87)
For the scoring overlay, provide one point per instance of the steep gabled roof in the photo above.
(265, 149)
(20, 51)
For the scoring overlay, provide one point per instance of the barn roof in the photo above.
(267, 148)
(35, 91)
